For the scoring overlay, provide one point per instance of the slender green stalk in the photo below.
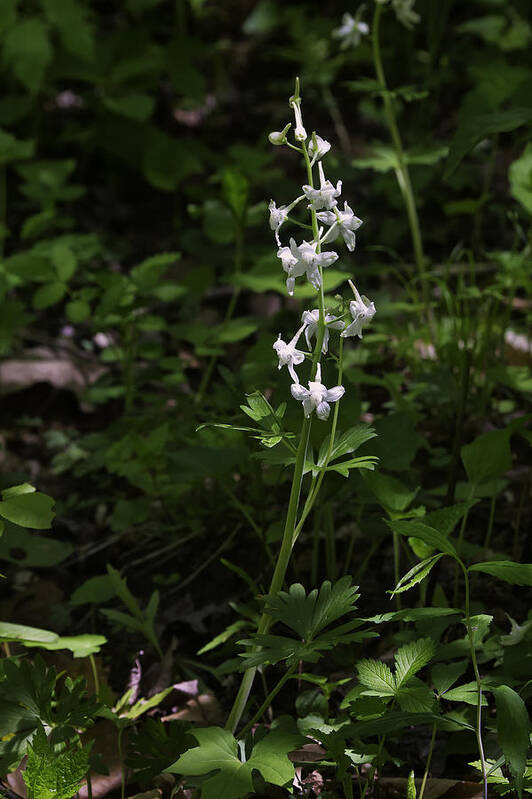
(401, 172)
(427, 764)
(396, 566)
(95, 676)
(489, 531)
(267, 702)
(472, 650)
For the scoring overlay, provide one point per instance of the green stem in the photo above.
(402, 174)
(489, 531)
(427, 764)
(396, 567)
(374, 765)
(267, 702)
(95, 676)
(472, 650)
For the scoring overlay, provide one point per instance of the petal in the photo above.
(308, 407)
(334, 394)
(300, 393)
(293, 375)
(328, 217)
(349, 238)
(323, 410)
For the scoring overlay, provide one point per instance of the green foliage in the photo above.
(27, 507)
(218, 751)
(54, 775)
(512, 731)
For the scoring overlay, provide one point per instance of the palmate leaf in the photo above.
(218, 751)
(379, 680)
(308, 614)
(52, 775)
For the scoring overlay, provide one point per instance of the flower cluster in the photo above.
(309, 259)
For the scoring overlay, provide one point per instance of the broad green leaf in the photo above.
(417, 529)
(48, 295)
(77, 311)
(445, 519)
(134, 106)
(27, 51)
(235, 188)
(34, 510)
(512, 731)
(416, 574)
(24, 548)
(71, 18)
(520, 176)
(444, 675)
(218, 751)
(507, 570)
(17, 491)
(412, 657)
(54, 775)
(475, 128)
(415, 699)
(95, 589)
(20, 632)
(147, 275)
(234, 330)
(376, 676)
(65, 262)
(390, 492)
(81, 646)
(468, 693)
(13, 149)
(488, 457)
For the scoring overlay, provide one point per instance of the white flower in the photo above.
(405, 13)
(300, 134)
(305, 259)
(277, 218)
(278, 137)
(318, 150)
(325, 196)
(311, 320)
(351, 30)
(362, 311)
(316, 396)
(288, 354)
(343, 222)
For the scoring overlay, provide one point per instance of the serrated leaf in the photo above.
(507, 570)
(415, 699)
(512, 731)
(416, 574)
(218, 751)
(376, 676)
(52, 775)
(412, 657)
(345, 443)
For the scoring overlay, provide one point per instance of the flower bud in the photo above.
(278, 137)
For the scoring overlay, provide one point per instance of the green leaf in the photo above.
(218, 751)
(415, 699)
(488, 457)
(65, 262)
(363, 462)
(77, 311)
(134, 106)
(167, 160)
(468, 693)
(309, 615)
(81, 646)
(475, 128)
(429, 535)
(33, 510)
(52, 775)
(376, 676)
(391, 493)
(416, 574)
(235, 189)
(48, 295)
(345, 443)
(444, 675)
(412, 657)
(27, 51)
(143, 705)
(95, 589)
(512, 731)
(13, 149)
(71, 18)
(507, 570)
(17, 491)
(520, 176)
(224, 636)
(411, 792)
(20, 632)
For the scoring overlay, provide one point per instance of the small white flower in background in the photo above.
(316, 396)
(325, 196)
(311, 320)
(405, 13)
(317, 148)
(351, 30)
(362, 311)
(288, 354)
(343, 222)
(278, 137)
(307, 260)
